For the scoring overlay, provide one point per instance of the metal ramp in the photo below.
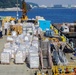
(45, 58)
(45, 55)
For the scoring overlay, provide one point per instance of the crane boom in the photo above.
(24, 10)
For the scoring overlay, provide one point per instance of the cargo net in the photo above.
(59, 57)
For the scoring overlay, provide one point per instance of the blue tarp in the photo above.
(44, 24)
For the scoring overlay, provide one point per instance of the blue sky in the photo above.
(49, 2)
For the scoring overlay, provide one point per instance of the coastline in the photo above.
(18, 9)
(10, 9)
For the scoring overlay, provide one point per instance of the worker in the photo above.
(64, 28)
(0, 32)
(12, 22)
(39, 36)
(6, 27)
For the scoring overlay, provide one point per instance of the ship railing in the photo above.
(71, 45)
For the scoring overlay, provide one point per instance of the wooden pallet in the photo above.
(19, 63)
(5, 63)
(34, 68)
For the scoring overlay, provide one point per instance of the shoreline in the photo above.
(15, 9)
(10, 9)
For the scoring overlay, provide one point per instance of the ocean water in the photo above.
(54, 15)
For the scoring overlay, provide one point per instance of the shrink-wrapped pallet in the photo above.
(14, 33)
(26, 38)
(27, 51)
(7, 45)
(24, 28)
(27, 44)
(33, 49)
(34, 62)
(35, 38)
(15, 47)
(23, 50)
(33, 54)
(22, 47)
(24, 55)
(35, 43)
(35, 32)
(10, 51)
(30, 38)
(19, 57)
(21, 36)
(10, 39)
(5, 57)
(24, 32)
(17, 40)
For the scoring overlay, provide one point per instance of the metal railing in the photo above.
(71, 45)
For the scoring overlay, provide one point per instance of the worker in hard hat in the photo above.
(6, 26)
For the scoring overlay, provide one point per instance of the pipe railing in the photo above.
(63, 34)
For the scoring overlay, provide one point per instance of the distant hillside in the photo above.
(8, 3)
(32, 5)
(11, 3)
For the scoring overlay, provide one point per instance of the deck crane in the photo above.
(24, 11)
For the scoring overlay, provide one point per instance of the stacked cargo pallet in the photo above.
(33, 58)
(5, 58)
(19, 57)
(19, 47)
(17, 28)
(34, 55)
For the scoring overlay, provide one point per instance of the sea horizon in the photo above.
(15, 8)
(55, 15)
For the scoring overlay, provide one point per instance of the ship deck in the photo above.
(13, 69)
(21, 69)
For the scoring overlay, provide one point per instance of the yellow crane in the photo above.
(24, 11)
